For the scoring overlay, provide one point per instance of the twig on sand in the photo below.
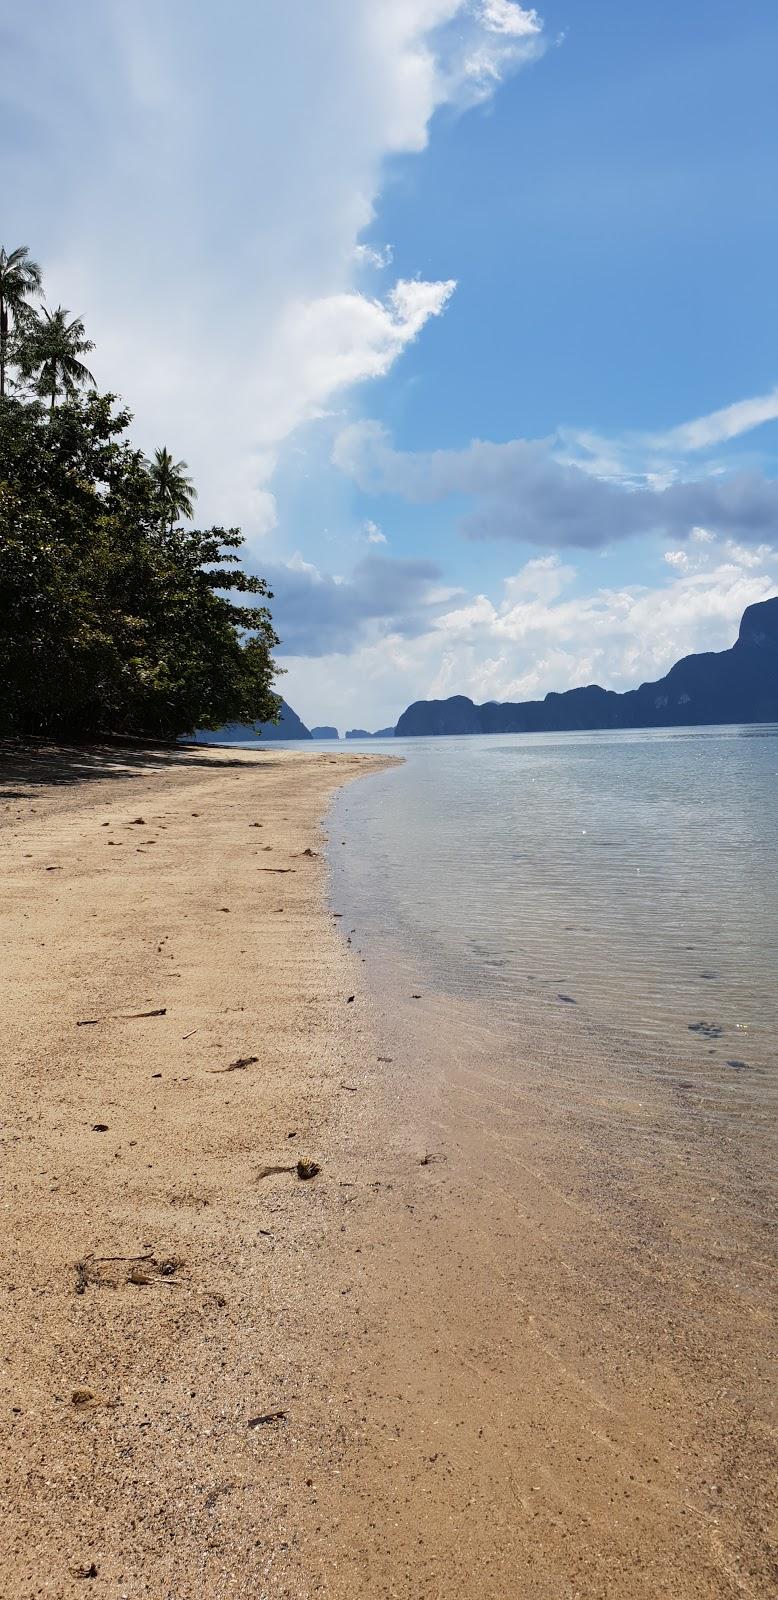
(129, 1016)
(237, 1066)
(147, 1257)
(124, 1016)
(265, 1419)
(304, 1169)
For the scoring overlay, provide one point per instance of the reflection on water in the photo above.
(629, 877)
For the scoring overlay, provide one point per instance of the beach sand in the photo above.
(158, 1293)
(501, 1345)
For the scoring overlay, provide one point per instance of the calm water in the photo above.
(631, 876)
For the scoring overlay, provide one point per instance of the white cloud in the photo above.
(533, 639)
(373, 533)
(540, 631)
(520, 491)
(333, 342)
(719, 426)
(487, 39)
(374, 255)
(195, 181)
(504, 16)
(656, 460)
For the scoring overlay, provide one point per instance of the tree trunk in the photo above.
(3, 343)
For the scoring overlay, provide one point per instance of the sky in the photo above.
(464, 312)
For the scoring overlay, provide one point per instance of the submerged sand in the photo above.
(498, 1345)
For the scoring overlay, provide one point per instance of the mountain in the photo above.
(358, 733)
(324, 733)
(289, 727)
(736, 685)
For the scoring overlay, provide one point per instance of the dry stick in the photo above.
(129, 1016)
(237, 1066)
(124, 1016)
(149, 1257)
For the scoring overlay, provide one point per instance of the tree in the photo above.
(112, 623)
(174, 491)
(20, 278)
(51, 351)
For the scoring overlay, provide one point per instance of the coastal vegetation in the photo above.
(116, 618)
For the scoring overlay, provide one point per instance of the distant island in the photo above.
(288, 727)
(736, 685)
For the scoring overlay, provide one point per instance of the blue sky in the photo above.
(464, 312)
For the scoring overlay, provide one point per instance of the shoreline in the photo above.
(502, 1337)
(581, 1240)
(159, 1294)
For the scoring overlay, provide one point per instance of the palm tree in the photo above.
(19, 279)
(54, 349)
(174, 491)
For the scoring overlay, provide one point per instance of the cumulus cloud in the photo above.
(503, 16)
(335, 341)
(374, 255)
(317, 614)
(546, 637)
(521, 491)
(480, 42)
(196, 180)
(543, 629)
(374, 534)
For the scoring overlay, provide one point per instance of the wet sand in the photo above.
(512, 1340)
(571, 1387)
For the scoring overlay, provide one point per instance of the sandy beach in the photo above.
(176, 1020)
(501, 1343)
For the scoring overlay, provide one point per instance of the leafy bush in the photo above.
(112, 619)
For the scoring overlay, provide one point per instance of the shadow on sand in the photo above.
(31, 763)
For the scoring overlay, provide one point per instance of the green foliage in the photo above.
(20, 280)
(111, 620)
(49, 351)
(175, 493)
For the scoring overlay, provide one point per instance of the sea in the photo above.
(602, 880)
(563, 1077)
(621, 880)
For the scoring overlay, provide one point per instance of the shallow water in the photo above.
(624, 880)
